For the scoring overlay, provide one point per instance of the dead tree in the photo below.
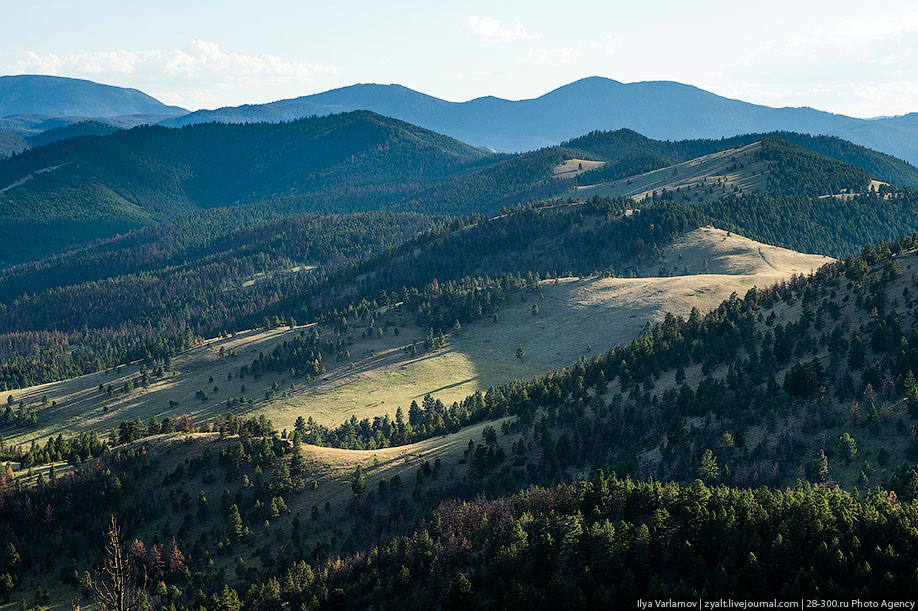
(114, 586)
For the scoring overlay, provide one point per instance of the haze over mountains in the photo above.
(348, 362)
(661, 109)
(95, 183)
(33, 105)
(60, 96)
(658, 109)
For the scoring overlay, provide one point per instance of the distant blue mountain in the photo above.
(658, 109)
(68, 97)
(31, 125)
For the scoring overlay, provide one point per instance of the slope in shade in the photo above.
(343, 163)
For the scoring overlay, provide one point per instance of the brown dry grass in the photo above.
(692, 178)
(576, 317)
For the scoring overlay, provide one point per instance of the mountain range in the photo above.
(659, 109)
(91, 181)
(345, 361)
(58, 96)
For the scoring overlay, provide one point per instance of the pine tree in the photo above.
(460, 593)
(297, 462)
(234, 523)
(358, 482)
(709, 469)
(911, 394)
(848, 446)
(820, 467)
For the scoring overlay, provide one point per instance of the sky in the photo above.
(849, 57)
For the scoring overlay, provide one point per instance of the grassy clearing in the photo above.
(697, 180)
(576, 318)
(265, 276)
(713, 251)
(575, 167)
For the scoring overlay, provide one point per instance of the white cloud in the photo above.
(492, 30)
(559, 56)
(860, 67)
(610, 44)
(861, 29)
(193, 74)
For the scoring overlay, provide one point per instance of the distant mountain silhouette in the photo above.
(657, 109)
(59, 96)
(31, 125)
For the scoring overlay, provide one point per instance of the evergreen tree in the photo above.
(911, 394)
(820, 466)
(358, 482)
(708, 470)
(234, 523)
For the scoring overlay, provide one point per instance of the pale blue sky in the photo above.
(837, 56)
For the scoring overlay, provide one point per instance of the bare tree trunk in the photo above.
(114, 585)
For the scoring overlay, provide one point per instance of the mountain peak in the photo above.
(664, 110)
(37, 94)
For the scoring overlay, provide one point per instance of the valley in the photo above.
(344, 361)
(575, 316)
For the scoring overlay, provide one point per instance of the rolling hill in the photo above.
(202, 277)
(768, 165)
(659, 109)
(76, 189)
(789, 383)
(575, 316)
(83, 188)
(59, 96)
(626, 146)
(11, 143)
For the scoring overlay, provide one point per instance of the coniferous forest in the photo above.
(176, 362)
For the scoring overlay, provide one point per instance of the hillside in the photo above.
(381, 373)
(60, 96)
(79, 189)
(624, 146)
(10, 144)
(770, 165)
(735, 170)
(81, 128)
(779, 386)
(659, 109)
(180, 276)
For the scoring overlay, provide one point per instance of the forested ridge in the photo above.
(185, 279)
(73, 130)
(765, 449)
(160, 308)
(85, 186)
(623, 144)
(169, 286)
(810, 381)
(607, 542)
(76, 189)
